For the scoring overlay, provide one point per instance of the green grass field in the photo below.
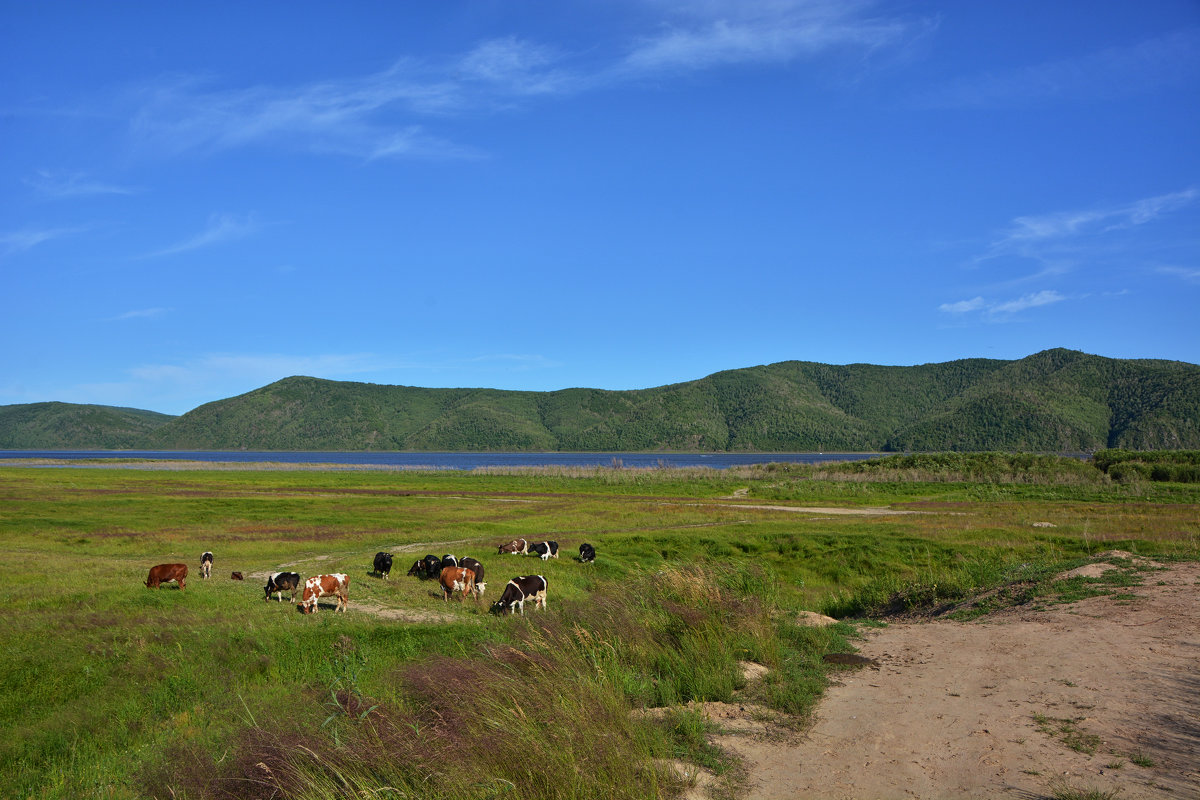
(108, 689)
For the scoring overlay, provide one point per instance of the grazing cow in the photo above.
(448, 560)
(418, 568)
(455, 578)
(587, 553)
(383, 564)
(167, 572)
(282, 582)
(336, 584)
(520, 589)
(544, 550)
(477, 568)
(433, 566)
(515, 547)
(236, 576)
(206, 561)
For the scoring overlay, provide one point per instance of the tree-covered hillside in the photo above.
(1054, 401)
(64, 426)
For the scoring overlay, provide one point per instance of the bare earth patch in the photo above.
(1102, 694)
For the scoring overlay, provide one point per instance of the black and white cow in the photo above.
(206, 562)
(587, 553)
(477, 568)
(282, 582)
(448, 560)
(518, 590)
(383, 564)
(433, 566)
(544, 550)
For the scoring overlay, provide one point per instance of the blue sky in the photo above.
(197, 199)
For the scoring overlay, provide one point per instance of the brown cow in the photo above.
(337, 584)
(236, 576)
(516, 547)
(455, 578)
(167, 572)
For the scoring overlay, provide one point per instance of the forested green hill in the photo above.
(1053, 401)
(66, 426)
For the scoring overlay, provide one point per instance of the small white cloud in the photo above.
(1170, 59)
(15, 242)
(76, 184)
(772, 32)
(1005, 308)
(514, 66)
(142, 313)
(962, 306)
(221, 228)
(1189, 274)
(1034, 300)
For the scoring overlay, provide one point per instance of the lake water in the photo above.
(464, 461)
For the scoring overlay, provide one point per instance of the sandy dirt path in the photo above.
(989, 709)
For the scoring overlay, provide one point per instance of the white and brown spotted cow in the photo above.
(517, 547)
(474, 565)
(336, 584)
(455, 579)
(520, 589)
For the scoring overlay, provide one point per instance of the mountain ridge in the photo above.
(1056, 400)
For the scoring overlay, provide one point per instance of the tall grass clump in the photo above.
(937, 585)
(548, 713)
(965, 467)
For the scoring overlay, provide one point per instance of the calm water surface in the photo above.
(447, 460)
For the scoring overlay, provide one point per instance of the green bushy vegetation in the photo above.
(1177, 466)
(110, 689)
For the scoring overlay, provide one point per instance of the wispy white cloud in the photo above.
(516, 67)
(1042, 298)
(1169, 59)
(141, 313)
(221, 228)
(387, 113)
(996, 310)
(718, 34)
(74, 184)
(1189, 274)
(1057, 240)
(15, 242)
(1079, 223)
(962, 306)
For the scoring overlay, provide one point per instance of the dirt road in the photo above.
(1102, 694)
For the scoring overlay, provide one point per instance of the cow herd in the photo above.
(465, 575)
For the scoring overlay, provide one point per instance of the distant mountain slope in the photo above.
(1057, 400)
(1053, 401)
(67, 426)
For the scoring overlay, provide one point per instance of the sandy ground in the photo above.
(952, 709)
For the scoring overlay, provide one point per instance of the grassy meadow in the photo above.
(108, 689)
